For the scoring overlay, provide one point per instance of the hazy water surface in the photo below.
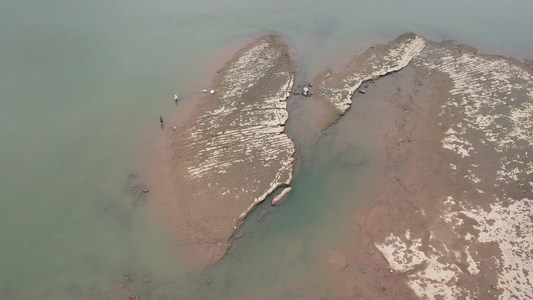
(82, 84)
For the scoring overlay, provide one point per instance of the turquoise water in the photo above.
(82, 84)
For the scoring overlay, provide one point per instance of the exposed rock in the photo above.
(375, 62)
(305, 90)
(281, 196)
(233, 153)
(296, 92)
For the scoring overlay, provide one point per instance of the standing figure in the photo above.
(176, 98)
(161, 119)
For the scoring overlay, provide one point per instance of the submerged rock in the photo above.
(281, 196)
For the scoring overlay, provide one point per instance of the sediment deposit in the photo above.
(232, 153)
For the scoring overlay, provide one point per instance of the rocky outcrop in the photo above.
(378, 61)
(278, 199)
(234, 152)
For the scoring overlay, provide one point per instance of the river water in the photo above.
(82, 85)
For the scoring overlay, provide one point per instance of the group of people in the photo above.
(176, 100)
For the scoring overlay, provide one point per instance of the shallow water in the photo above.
(82, 85)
